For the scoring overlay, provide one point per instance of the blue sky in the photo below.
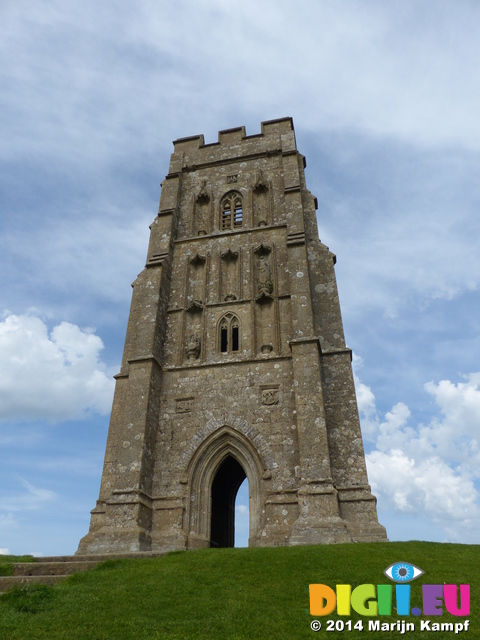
(385, 98)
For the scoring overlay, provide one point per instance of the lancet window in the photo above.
(232, 211)
(229, 333)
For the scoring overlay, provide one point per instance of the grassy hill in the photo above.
(230, 594)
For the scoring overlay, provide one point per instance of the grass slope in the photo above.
(228, 594)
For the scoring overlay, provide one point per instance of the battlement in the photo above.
(275, 136)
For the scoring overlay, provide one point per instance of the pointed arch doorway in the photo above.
(224, 460)
(226, 483)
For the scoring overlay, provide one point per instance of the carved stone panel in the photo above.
(270, 395)
(193, 347)
(184, 405)
(263, 269)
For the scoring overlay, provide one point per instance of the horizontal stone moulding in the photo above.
(129, 497)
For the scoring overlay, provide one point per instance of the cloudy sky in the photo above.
(385, 98)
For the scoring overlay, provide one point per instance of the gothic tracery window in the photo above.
(232, 211)
(229, 330)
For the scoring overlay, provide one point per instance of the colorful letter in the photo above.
(402, 595)
(343, 599)
(451, 601)
(360, 595)
(432, 599)
(322, 600)
(384, 595)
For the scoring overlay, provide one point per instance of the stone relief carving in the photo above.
(264, 276)
(184, 405)
(194, 305)
(197, 260)
(260, 185)
(263, 250)
(203, 197)
(193, 347)
(230, 255)
(270, 396)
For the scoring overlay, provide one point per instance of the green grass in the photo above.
(228, 594)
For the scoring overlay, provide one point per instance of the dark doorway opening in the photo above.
(225, 486)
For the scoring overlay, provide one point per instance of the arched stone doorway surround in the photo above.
(202, 470)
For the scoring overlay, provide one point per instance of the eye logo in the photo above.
(403, 572)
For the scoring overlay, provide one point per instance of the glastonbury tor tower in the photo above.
(234, 366)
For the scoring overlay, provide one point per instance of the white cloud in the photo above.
(4, 552)
(53, 375)
(460, 405)
(430, 470)
(429, 486)
(454, 437)
(380, 68)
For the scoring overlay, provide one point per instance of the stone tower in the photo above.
(234, 366)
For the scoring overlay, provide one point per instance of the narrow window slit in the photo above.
(224, 339)
(235, 339)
